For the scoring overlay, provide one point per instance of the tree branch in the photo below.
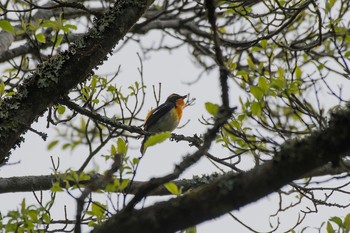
(64, 71)
(224, 74)
(195, 140)
(232, 191)
(45, 182)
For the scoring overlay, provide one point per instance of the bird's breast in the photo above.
(168, 122)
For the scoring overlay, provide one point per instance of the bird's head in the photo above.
(177, 99)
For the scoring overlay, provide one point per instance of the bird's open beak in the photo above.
(184, 96)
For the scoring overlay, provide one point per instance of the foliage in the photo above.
(27, 218)
(342, 225)
(286, 63)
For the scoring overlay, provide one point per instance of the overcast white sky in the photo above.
(172, 70)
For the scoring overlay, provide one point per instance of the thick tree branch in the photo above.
(232, 191)
(29, 47)
(45, 182)
(64, 71)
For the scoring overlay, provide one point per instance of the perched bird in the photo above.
(165, 117)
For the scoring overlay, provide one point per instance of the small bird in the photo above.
(166, 117)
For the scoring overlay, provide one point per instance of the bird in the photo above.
(166, 117)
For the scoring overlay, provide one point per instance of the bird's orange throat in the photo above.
(180, 104)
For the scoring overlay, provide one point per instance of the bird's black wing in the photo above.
(160, 111)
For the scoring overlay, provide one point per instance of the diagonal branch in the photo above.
(231, 191)
(64, 71)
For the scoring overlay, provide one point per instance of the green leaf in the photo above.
(330, 228)
(236, 124)
(33, 214)
(211, 108)
(241, 73)
(93, 82)
(135, 161)
(337, 220)
(98, 209)
(85, 92)
(157, 138)
(172, 188)
(298, 72)
(52, 144)
(13, 214)
(50, 24)
(124, 184)
(2, 88)
(56, 187)
(231, 64)
(122, 146)
(191, 229)
(11, 93)
(251, 63)
(73, 176)
(6, 26)
(24, 25)
(40, 37)
(263, 84)
(320, 66)
(280, 73)
(68, 27)
(23, 206)
(61, 109)
(294, 87)
(257, 92)
(329, 5)
(256, 109)
(277, 83)
(59, 40)
(111, 88)
(96, 101)
(46, 218)
(263, 44)
(84, 177)
(65, 146)
(113, 150)
(347, 223)
(82, 123)
(241, 117)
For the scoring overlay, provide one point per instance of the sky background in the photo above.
(173, 70)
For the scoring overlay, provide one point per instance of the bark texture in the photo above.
(55, 77)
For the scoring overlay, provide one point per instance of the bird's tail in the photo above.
(142, 149)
